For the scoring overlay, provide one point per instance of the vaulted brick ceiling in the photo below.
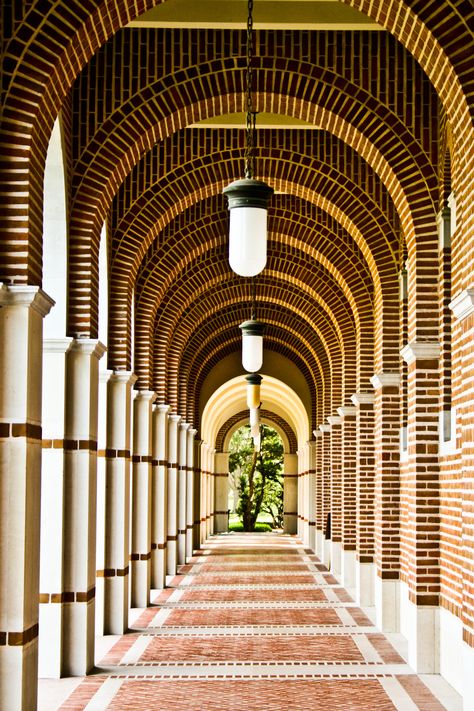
(347, 138)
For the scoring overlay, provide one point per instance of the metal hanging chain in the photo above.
(251, 114)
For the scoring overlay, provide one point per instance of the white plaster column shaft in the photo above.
(290, 493)
(104, 375)
(221, 492)
(159, 513)
(190, 492)
(117, 503)
(52, 507)
(22, 309)
(182, 473)
(172, 532)
(140, 565)
(312, 495)
(80, 505)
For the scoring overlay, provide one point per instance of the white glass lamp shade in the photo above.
(248, 240)
(255, 430)
(252, 345)
(257, 442)
(248, 201)
(254, 416)
(253, 390)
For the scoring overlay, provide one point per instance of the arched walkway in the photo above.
(255, 621)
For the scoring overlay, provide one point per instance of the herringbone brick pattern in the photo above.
(250, 636)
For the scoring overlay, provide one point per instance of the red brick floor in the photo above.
(255, 623)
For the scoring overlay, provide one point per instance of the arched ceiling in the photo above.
(347, 136)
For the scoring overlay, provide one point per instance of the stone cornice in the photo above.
(420, 351)
(385, 380)
(462, 305)
(363, 398)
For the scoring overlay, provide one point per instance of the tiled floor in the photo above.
(254, 621)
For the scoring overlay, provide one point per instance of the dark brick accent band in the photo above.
(66, 596)
(19, 639)
(112, 572)
(158, 546)
(20, 429)
(140, 556)
(141, 459)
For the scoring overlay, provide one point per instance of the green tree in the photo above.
(260, 475)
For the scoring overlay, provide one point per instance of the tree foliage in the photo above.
(259, 475)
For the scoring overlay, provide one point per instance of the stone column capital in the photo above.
(362, 398)
(420, 351)
(462, 305)
(162, 409)
(325, 428)
(385, 380)
(317, 434)
(26, 295)
(347, 411)
(335, 420)
(88, 346)
(146, 396)
(57, 345)
(123, 376)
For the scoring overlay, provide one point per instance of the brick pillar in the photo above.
(182, 473)
(349, 498)
(52, 506)
(290, 493)
(140, 558)
(318, 493)
(159, 505)
(172, 505)
(80, 472)
(387, 500)
(463, 310)
(326, 490)
(420, 518)
(22, 309)
(117, 503)
(336, 494)
(190, 493)
(365, 492)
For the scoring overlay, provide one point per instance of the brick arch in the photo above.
(264, 414)
(160, 274)
(290, 348)
(412, 195)
(191, 319)
(85, 32)
(52, 45)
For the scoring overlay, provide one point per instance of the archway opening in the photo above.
(256, 481)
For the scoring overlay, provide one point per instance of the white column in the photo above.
(182, 475)
(203, 453)
(159, 514)
(190, 492)
(52, 507)
(172, 533)
(117, 503)
(312, 495)
(221, 492)
(82, 378)
(197, 540)
(290, 492)
(22, 309)
(104, 376)
(141, 499)
(211, 497)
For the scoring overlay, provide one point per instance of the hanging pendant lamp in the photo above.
(252, 340)
(253, 390)
(248, 198)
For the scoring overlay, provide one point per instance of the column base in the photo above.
(468, 677)
(116, 605)
(140, 587)
(387, 604)
(348, 569)
(19, 689)
(326, 559)
(365, 584)
(221, 523)
(78, 638)
(319, 544)
(290, 524)
(158, 568)
(171, 557)
(336, 554)
(50, 637)
(420, 625)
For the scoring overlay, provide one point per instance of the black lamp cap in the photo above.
(248, 193)
(252, 328)
(253, 379)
